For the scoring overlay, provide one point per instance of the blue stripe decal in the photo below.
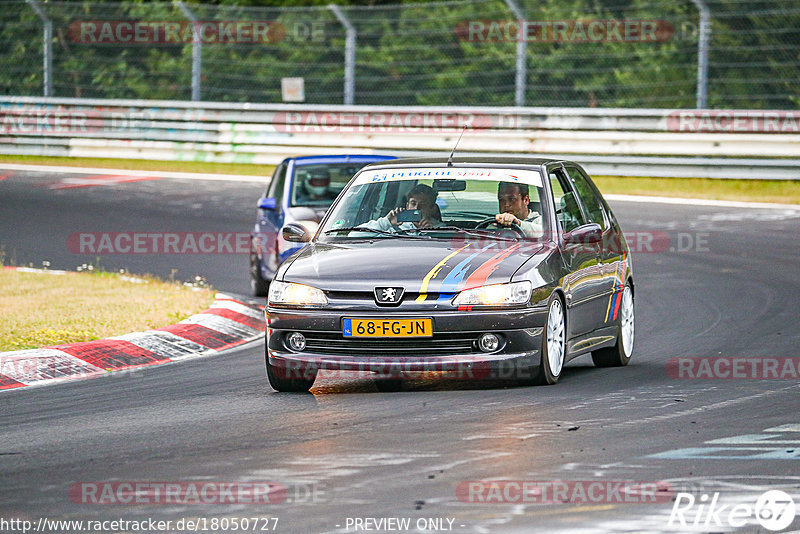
(454, 278)
(614, 298)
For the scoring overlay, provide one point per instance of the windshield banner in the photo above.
(450, 173)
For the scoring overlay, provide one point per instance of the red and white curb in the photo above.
(226, 324)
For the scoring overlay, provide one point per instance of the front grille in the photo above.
(408, 296)
(441, 344)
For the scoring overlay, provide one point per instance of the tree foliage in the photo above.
(418, 53)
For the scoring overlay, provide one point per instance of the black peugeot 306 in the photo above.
(473, 268)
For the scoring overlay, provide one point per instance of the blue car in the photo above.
(301, 191)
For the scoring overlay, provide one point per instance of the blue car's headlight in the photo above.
(511, 294)
(290, 294)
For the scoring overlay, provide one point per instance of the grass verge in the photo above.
(39, 310)
(145, 165)
(780, 191)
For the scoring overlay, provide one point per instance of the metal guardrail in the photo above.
(643, 142)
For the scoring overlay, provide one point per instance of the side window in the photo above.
(588, 197)
(276, 185)
(568, 212)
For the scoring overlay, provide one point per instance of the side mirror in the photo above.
(588, 234)
(267, 203)
(296, 233)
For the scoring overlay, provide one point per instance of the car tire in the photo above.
(554, 343)
(290, 385)
(620, 353)
(258, 285)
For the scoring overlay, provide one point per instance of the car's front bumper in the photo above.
(452, 351)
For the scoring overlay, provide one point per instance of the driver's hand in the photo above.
(424, 223)
(506, 219)
(392, 215)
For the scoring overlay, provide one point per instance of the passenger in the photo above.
(513, 199)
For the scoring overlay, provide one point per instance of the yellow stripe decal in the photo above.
(433, 272)
(608, 309)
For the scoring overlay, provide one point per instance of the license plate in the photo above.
(388, 327)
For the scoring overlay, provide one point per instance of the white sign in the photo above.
(293, 89)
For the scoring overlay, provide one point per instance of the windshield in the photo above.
(318, 185)
(438, 203)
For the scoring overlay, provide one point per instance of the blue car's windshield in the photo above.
(317, 185)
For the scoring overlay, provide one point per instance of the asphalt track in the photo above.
(729, 287)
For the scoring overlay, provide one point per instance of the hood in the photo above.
(416, 265)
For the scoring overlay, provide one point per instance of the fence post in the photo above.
(519, 83)
(47, 45)
(349, 54)
(197, 49)
(702, 53)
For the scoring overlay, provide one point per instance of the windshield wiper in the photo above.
(474, 233)
(400, 233)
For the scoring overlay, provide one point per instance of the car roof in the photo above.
(341, 158)
(493, 161)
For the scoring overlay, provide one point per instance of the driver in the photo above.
(317, 185)
(513, 199)
(423, 198)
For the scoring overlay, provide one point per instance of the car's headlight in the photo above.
(295, 294)
(511, 294)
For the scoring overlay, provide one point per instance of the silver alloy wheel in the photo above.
(555, 338)
(627, 321)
